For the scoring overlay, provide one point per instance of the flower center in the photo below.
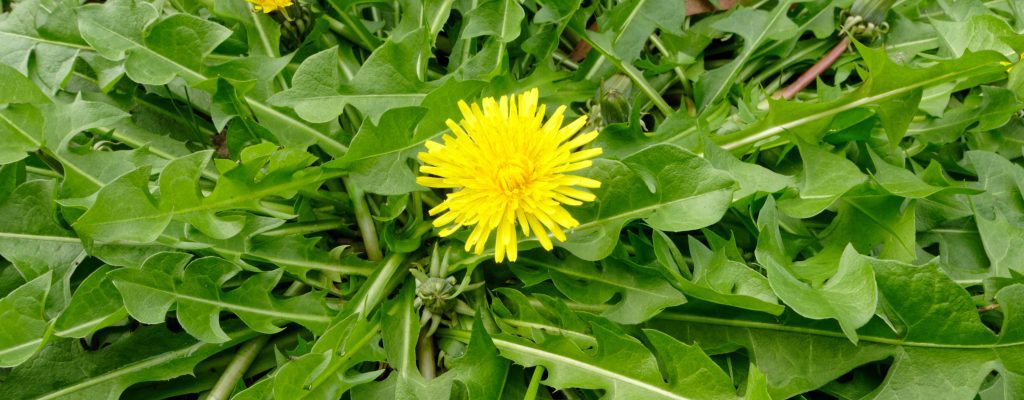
(514, 174)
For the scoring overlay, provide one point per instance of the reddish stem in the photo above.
(812, 73)
(694, 7)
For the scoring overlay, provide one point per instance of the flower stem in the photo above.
(304, 228)
(365, 221)
(425, 355)
(376, 286)
(812, 73)
(531, 391)
(363, 37)
(246, 354)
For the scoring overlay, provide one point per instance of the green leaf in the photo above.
(262, 33)
(263, 171)
(400, 331)
(899, 181)
(826, 177)
(64, 370)
(715, 278)
(849, 296)
(34, 241)
(16, 88)
(22, 313)
(154, 53)
(179, 48)
(40, 40)
(940, 338)
(756, 27)
(386, 80)
(886, 81)
(869, 221)
(378, 158)
(327, 371)
(997, 209)
(498, 18)
(478, 372)
(669, 188)
(752, 178)
(638, 294)
(621, 365)
(634, 21)
(20, 132)
(980, 32)
(96, 304)
(166, 279)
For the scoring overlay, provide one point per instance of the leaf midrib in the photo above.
(139, 365)
(768, 132)
(62, 333)
(583, 365)
(884, 227)
(227, 203)
(64, 161)
(740, 323)
(594, 278)
(47, 41)
(288, 316)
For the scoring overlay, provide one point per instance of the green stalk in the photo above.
(687, 88)
(376, 287)
(634, 74)
(363, 37)
(243, 359)
(304, 228)
(425, 352)
(365, 221)
(43, 172)
(531, 391)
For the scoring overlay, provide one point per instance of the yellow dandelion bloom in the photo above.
(507, 168)
(1012, 64)
(269, 6)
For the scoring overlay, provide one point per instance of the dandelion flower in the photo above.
(269, 6)
(1012, 64)
(508, 168)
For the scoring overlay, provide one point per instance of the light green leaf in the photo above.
(378, 159)
(752, 178)
(16, 88)
(669, 188)
(850, 296)
(95, 304)
(715, 278)
(980, 32)
(21, 132)
(885, 81)
(498, 18)
(825, 178)
(386, 80)
(23, 315)
(639, 294)
(756, 27)
(39, 39)
(620, 365)
(154, 53)
(34, 241)
(169, 278)
(327, 371)
(64, 370)
(264, 171)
